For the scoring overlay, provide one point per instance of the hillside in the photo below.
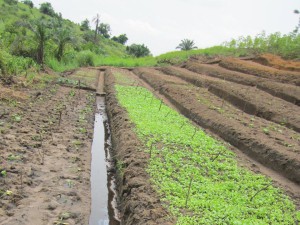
(66, 45)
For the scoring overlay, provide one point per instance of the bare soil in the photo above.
(286, 92)
(247, 98)
(277, 62)
(46, 159)
(259, 70)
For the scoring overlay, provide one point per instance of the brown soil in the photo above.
(241, 130)
(47, 164)
(287, 92)
(259, 70)
(249, 99)
(140, 205)
(277, 62)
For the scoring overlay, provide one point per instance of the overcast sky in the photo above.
(162, 24)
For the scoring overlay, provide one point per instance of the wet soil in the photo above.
(45, 155)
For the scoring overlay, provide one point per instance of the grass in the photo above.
(197, 177)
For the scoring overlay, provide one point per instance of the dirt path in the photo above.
(45, 152)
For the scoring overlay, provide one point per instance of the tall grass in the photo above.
(125, 61)
(181, 56)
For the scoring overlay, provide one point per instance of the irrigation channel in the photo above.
(103, 192)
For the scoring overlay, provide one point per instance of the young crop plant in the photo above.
(198, 178)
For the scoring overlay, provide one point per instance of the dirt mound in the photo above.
(277, 62)
(139, 203)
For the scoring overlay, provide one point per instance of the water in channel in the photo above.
(104, 207)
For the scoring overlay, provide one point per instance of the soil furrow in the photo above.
(287, 92)
(268, 153)
(259, 70)
(249, 99)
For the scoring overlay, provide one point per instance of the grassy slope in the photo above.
(10, 14)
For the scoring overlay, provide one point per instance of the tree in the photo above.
(96, 20)
(47, 9)
(62, 38)
(11, 2)
(104, 30)
(85, 25)
(297, 27)
(41, 34)
(186, 45)
(122, 39)
(138, 50)
(29, 3)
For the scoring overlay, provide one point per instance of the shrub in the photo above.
(85, 58)
(29, 3)
(138, 50)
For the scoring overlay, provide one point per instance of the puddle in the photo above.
(104, 205)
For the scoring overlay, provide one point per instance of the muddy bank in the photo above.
(138, 202)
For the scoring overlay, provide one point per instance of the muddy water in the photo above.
(104, 206)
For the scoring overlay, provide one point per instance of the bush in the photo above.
(86, 58)
(138, 50)
(29, 3)
(47, 9)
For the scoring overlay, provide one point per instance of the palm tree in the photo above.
(297, 27)
(40, 29)
(186, 45)
(62, 38)
(96, 20)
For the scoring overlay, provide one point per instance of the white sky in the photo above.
(162, 24)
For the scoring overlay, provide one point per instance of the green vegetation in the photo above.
(197, 177)
(32, 39)
(137, 50)
(186, 45)
(287, 45)
(181, 56)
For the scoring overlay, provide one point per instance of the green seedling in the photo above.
(220, 191)
(12, 157)
(266, 130)
(3, 173)
(16, 118)
(82, 130)
(72, 93)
